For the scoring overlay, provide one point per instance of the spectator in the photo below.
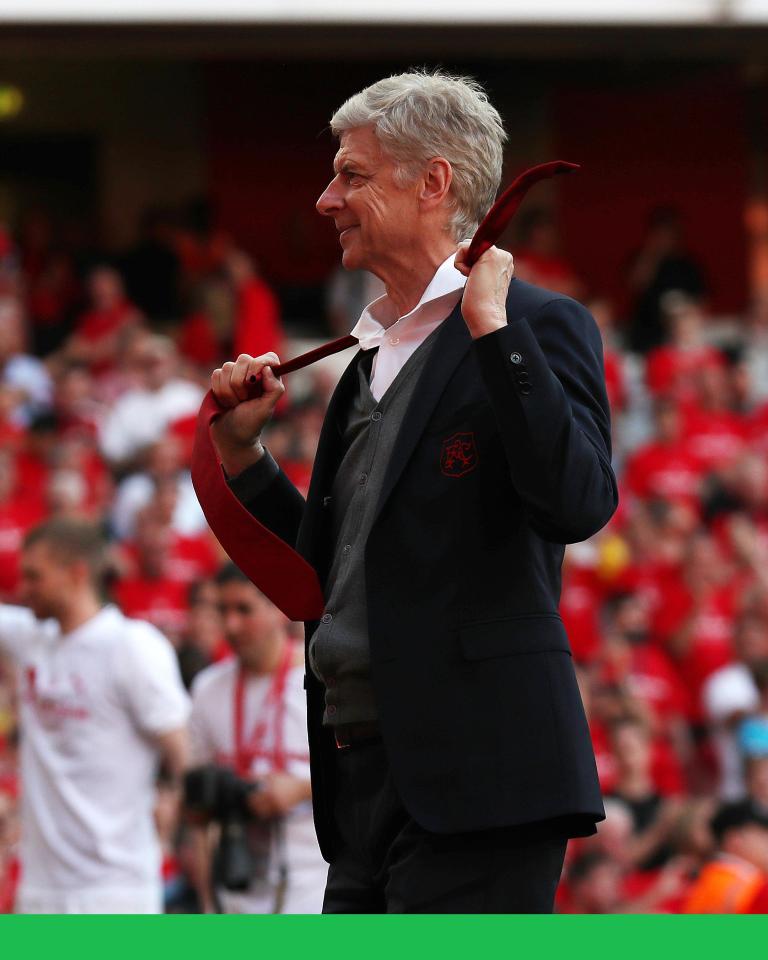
(264, 680)
(538, 258)
(152, 269)
(735, 880)
(257, 313)
(653, 815)
(731, 694)
(96, 337)
(141, 416)
(661, 264)
(163, 466)
(20, 373)
(101, 702)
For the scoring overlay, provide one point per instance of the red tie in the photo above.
(274, 567)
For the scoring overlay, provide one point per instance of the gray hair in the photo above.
(422, 115)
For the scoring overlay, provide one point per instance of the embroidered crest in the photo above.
(459, 455)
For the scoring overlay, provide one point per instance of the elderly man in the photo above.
(466, 443)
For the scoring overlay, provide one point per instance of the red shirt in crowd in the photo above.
(162, 602)
(257, 324)
(665, 472)
(17, 517)
(670, 370)
(709, 644)
(714, 438)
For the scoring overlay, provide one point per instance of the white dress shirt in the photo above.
(398, 337)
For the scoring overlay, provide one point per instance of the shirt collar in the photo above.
(380, 314)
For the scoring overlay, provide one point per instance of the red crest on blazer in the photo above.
(458, 455)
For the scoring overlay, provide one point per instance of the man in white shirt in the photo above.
(141, 415)
(729, 695)
(249, 716)
(101, 703)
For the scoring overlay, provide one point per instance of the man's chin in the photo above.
(350, 260)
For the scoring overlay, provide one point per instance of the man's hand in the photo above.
(236, 433)
(279, 794)
(484, 305)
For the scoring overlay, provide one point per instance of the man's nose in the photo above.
(330, 199)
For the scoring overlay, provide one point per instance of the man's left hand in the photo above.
(484, 305)
(279, 793)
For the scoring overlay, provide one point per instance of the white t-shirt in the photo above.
(212, 740)
(141, 417)
(730, 690)
(90, 704)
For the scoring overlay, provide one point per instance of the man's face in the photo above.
(374, 215)
(252, 625)
(47, 583)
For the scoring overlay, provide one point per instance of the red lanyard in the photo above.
(273, 710)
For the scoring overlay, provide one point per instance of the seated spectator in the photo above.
(97, 332)
(735, 880)
(694, 622)
(671, 368)
(595, 885)
(75, 404)
(257, 326)
(654, 816)
(662, 264)
(158, 568)
(716, 435)
(25, 376)
(665, 469)
(730, 694)
(134, 492)
(152, 268)
(630, 660)
(539, 259)
(142, 415)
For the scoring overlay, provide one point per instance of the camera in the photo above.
(217, 793)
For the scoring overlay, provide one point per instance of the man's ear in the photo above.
(80, 572)
(436, 183)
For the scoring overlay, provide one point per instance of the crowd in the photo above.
(104, 361)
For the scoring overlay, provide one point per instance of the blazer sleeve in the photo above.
(267, 493)
(546, 384)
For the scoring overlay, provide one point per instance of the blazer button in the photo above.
(525, 389)
(326, 618)
(516, 357)
(522, 377)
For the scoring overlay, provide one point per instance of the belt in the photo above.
(356, 734)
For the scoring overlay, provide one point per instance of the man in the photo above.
(249, 715)
(450, 755)
(735, 880)
(142, 415)
(730, 694)
(101, 703)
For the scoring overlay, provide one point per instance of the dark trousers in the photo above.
(387, 863)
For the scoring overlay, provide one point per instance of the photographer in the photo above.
(248, 794)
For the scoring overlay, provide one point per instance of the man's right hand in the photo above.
(236, 432)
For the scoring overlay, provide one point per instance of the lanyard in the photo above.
(273, 710)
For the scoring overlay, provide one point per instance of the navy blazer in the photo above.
(504, 456)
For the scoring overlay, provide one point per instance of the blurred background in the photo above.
(159, 167)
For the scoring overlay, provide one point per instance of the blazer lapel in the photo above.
(452, 343)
